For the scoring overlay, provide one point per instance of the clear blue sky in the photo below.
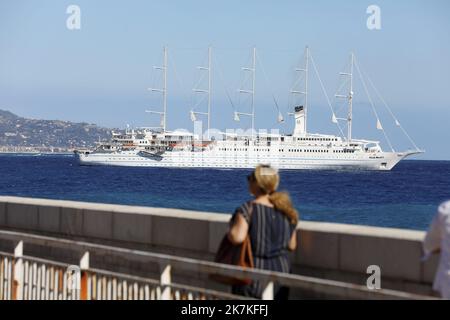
(100, 74)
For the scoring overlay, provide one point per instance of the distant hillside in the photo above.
(16, 131)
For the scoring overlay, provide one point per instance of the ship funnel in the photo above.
(300, 123)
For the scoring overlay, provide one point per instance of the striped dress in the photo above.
(270, 232)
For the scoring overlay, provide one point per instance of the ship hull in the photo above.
(380, 161)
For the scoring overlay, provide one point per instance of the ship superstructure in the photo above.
(159, 147)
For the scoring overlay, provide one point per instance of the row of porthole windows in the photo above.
(317, 139)
(300, 150)
(280, 150)
(289, 150)
(240, 149)
(344, 151)
(216, 160)
(178, 138)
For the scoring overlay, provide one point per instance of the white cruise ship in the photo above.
(158, 147)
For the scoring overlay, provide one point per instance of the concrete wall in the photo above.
(327, 250)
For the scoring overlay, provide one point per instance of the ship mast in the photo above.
(306, 87)
(208, 91)
(350, 101)
(251, 69)
(297, 89)
(349, 97)
(253, 89)
(165, 89)
(162, 90)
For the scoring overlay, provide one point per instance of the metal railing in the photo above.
(24, 277)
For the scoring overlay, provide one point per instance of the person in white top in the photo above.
(437, 240)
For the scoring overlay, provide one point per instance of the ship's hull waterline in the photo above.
(384, 161)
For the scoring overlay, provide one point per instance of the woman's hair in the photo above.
(267, 179)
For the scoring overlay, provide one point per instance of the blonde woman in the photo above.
(270, 220)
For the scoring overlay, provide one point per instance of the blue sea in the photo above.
(406, 197)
